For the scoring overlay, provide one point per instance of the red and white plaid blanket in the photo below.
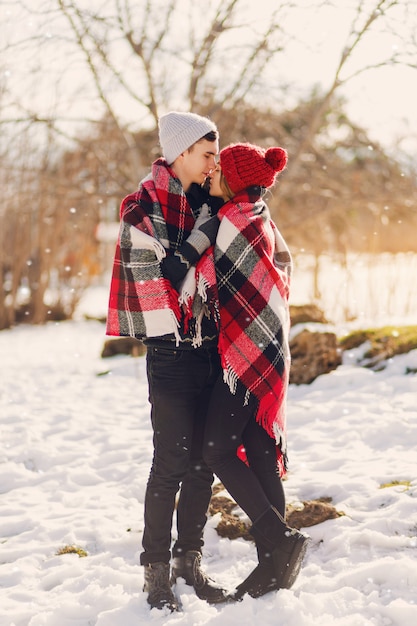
(253, 268)
(156, 217)
(246, 291)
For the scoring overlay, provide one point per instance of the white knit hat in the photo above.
(179, 131)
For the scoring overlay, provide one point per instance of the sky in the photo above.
(75, 455)
(382, 100)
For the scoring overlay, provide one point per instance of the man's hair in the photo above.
(212, 136)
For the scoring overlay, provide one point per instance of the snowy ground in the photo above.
(75, 455)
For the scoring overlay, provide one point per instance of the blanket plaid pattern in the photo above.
(142, 303)
(253, 267)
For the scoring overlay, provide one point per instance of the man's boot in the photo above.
(287, 546)
(158, 587)
(261, 580)
(189, 568)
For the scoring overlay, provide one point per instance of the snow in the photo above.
(75, 455)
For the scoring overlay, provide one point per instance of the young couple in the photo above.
(203, 279)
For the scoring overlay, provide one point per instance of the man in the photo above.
(166, 226)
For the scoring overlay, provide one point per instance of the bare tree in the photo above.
(137, 59)
(148, 56)
(83, 88)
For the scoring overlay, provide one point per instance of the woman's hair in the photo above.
(224, 186)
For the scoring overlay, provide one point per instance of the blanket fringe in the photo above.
(198, 337)
(175, 327)
(202, 286)
(230, 378)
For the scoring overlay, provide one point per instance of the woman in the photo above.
(245, 443)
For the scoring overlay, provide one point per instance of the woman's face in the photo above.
(215, 184)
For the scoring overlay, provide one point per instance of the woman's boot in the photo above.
(287, 546)
(262, 579)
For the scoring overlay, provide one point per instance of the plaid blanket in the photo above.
(253, 268)
(156, 217)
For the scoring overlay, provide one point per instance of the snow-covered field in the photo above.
(369, 288)
(75, 455)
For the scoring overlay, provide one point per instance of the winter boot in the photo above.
(287, 546)
(189, 568)
(261, 580)
(158, 587)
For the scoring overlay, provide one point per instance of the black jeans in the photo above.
(180, 385)
(229, 424)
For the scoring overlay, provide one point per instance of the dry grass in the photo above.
(302, 515)
(72, 550)
(384, 343)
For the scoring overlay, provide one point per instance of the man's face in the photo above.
(199, 161)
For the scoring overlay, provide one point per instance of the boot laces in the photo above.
(157, 584)
(200, 578)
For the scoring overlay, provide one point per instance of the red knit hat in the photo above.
(244, 165)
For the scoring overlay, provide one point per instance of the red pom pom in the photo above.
(276, 158)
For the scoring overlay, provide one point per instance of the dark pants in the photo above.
(229, 424)
(180, 386)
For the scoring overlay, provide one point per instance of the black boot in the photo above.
(189, 568)
(287, 546)
(158, 587)
(261, 580)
